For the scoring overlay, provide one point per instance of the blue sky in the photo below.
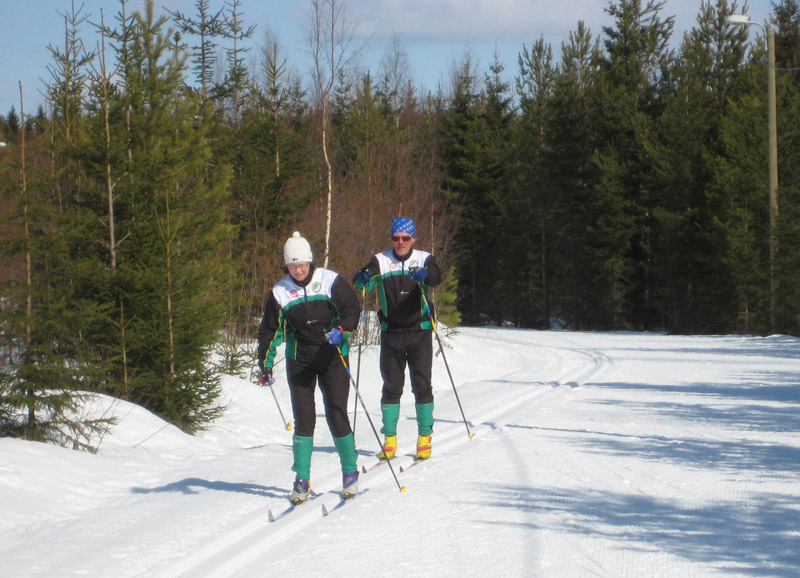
(433, 33)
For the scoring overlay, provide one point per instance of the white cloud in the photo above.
(441, 21)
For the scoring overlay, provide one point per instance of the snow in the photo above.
(594, 454)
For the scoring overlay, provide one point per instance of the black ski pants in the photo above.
(401, 348)
(325, 366)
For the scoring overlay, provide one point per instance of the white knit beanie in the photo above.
(296, 250)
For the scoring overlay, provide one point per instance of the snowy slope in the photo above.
(594, 454)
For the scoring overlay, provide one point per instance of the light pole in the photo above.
(772, 126)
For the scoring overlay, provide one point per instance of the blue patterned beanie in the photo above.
(403, 225)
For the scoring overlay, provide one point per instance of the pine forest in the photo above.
(619, 181)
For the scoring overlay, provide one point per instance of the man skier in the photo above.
(402, 276)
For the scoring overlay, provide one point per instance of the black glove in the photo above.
(266, 377)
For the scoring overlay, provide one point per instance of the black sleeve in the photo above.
(434, 273)
(345, 300)
(268, 328)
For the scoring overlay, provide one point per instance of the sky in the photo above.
(434, 34)
(591, 455)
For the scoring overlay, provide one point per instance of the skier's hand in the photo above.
(363, 276)
(266, 377)
(334, 336)
(418, 274)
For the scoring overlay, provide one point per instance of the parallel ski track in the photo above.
(575, 365)
(579, 375)
(253, 536)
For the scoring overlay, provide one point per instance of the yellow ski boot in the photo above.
(423, 447)
(389, 448)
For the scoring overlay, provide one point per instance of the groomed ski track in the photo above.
(592, 480)
(609, 454)
(253, 543)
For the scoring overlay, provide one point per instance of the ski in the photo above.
(275, 517)
(374, 466)
(396, 459)
(403, 468)
(344, 499)
(414, 463)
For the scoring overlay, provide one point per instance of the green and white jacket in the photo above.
(301, 314)
(402, 306)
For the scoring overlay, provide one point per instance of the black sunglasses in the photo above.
(405, 239)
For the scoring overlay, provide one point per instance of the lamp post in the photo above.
(772, 127)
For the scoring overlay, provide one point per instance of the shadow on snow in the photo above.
(196, 485)
(756, 538)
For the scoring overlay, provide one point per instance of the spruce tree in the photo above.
(631, 83)
(694, 287)
(171, 269)
(472, 149)
(268, 191)
(743, 176)
(46, 370)
(571, 140)
(237, 76)
(370, 155)
(206, 27)
(497, 262)
(530, 208)
(786, 24)
(49, 365)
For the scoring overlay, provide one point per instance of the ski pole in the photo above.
(446, 365)
(364, 407)
(358, 365)
(275, 397)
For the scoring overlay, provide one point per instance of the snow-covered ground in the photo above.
(594, 454)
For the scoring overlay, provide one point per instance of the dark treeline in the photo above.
(618, 184)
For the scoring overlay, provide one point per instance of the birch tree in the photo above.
(331, 41)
